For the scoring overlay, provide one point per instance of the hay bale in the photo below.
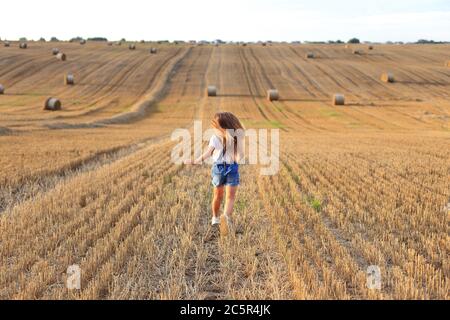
(387, 77)
(370, 47)
(211, 91)
(52, 104)
(2, 89)
(358, 52)
(6, 44)
(55, 51)
(69, 79)
(153, 50)
(347, 46)
(273, 95)
(82, 41)
(264, 44)
(132, 47)
(61, 56)
(339, 100)
(110, 44)
(310, 55)
(23, 45)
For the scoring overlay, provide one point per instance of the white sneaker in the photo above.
(225, 225)
(215, 221)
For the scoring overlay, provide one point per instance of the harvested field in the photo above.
(93, 185)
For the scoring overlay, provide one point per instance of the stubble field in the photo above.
(93, 184)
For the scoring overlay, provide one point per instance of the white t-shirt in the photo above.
(217, 156)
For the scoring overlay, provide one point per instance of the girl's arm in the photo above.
(202, 158)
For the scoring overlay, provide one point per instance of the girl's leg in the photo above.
(217, 201)
(229, 200)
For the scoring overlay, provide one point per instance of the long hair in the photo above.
(223, 122)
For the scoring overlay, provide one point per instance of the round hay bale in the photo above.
(23, 45)
(55, 51)
(358, 52)
(61, 56)
(388, 77)
(370, 47)
(244, 44)
(273, 95)
(2, 89)
(310, 55)
(6, 44)
(82, 41)
(132, 47)
(211, 91)
(264, 44)
(110, 44)
(339, 100)
(52, 104)
(69, 79)
(153, 50)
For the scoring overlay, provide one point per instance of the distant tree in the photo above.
(76, 39)
(54, 39)
(23, 39)
(340, 41)
(424, 41)
(123, 40)
(42, 39)
(354, 41)
(98, 39)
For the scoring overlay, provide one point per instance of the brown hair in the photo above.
(224, 121)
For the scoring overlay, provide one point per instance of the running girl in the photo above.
(225, 148)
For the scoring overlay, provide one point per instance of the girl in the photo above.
(225, 147)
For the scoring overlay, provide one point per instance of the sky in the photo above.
(229, 20)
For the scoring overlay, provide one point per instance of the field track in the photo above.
(359, 185)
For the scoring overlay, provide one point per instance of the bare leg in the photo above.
(229, 201)
(217, 201)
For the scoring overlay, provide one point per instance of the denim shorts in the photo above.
(225, 175)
